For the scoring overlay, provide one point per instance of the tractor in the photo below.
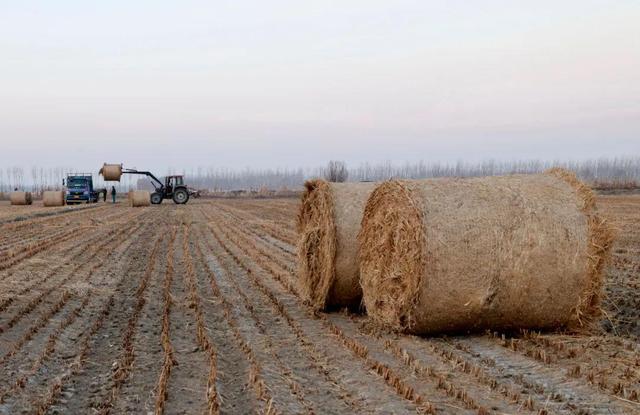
(173, 187)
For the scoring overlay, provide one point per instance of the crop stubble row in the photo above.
(194, 305)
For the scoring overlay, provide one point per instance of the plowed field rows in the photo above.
(194, 309)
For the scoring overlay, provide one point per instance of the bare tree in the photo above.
(34, 177)
(336, 171)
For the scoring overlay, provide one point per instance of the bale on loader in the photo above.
(521, 251)
(328, 224)
(111, 172)
(53, 198)
(21, 198)
(140, 198)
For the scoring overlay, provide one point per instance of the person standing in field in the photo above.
(113, 193)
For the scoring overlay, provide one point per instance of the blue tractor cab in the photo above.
(80, 188)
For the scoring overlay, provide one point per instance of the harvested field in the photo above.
(195, 308)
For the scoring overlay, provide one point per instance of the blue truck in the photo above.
(80, 189)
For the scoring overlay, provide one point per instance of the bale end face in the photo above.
(392, 254)
(140, 198)
(601, 237)
(317, 243)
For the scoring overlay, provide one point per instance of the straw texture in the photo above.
(20, 198)
(53, 198)
(328, 225)
(447, 255)
(140, 198)
(111, 172)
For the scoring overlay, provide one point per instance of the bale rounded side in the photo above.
(506, 252)
(140, 198)
(20, 198)
(111, 172)
(52, 198)
(328, 224)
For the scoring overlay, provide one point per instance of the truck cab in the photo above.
(80, 188)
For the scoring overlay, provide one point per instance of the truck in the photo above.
(80, 188)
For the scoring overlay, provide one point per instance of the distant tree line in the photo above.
(247, 179)
(603, 170)
(619, 169)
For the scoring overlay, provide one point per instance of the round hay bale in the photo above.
(21, 198)
(53, 198)
(111, 172)
(446, 255)
(328, 224)
(140, 198)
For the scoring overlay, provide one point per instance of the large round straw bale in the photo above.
(328, 225)
(21, 198)
(111, 172)
(521, 251)
(53, 198)
(140, 198)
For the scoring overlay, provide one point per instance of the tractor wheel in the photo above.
(156, 198)
(180, 196)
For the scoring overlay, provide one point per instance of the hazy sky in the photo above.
(295, 83)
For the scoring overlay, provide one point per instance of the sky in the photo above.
(284, 83)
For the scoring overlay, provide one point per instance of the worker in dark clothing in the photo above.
(104, 195)
(113, 193)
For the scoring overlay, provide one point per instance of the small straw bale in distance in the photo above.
(111, 172)
(328, 224)
(447, 255)
(53, 198)
(140, 198)
(21, 198)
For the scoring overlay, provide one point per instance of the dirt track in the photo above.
(192, 309)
